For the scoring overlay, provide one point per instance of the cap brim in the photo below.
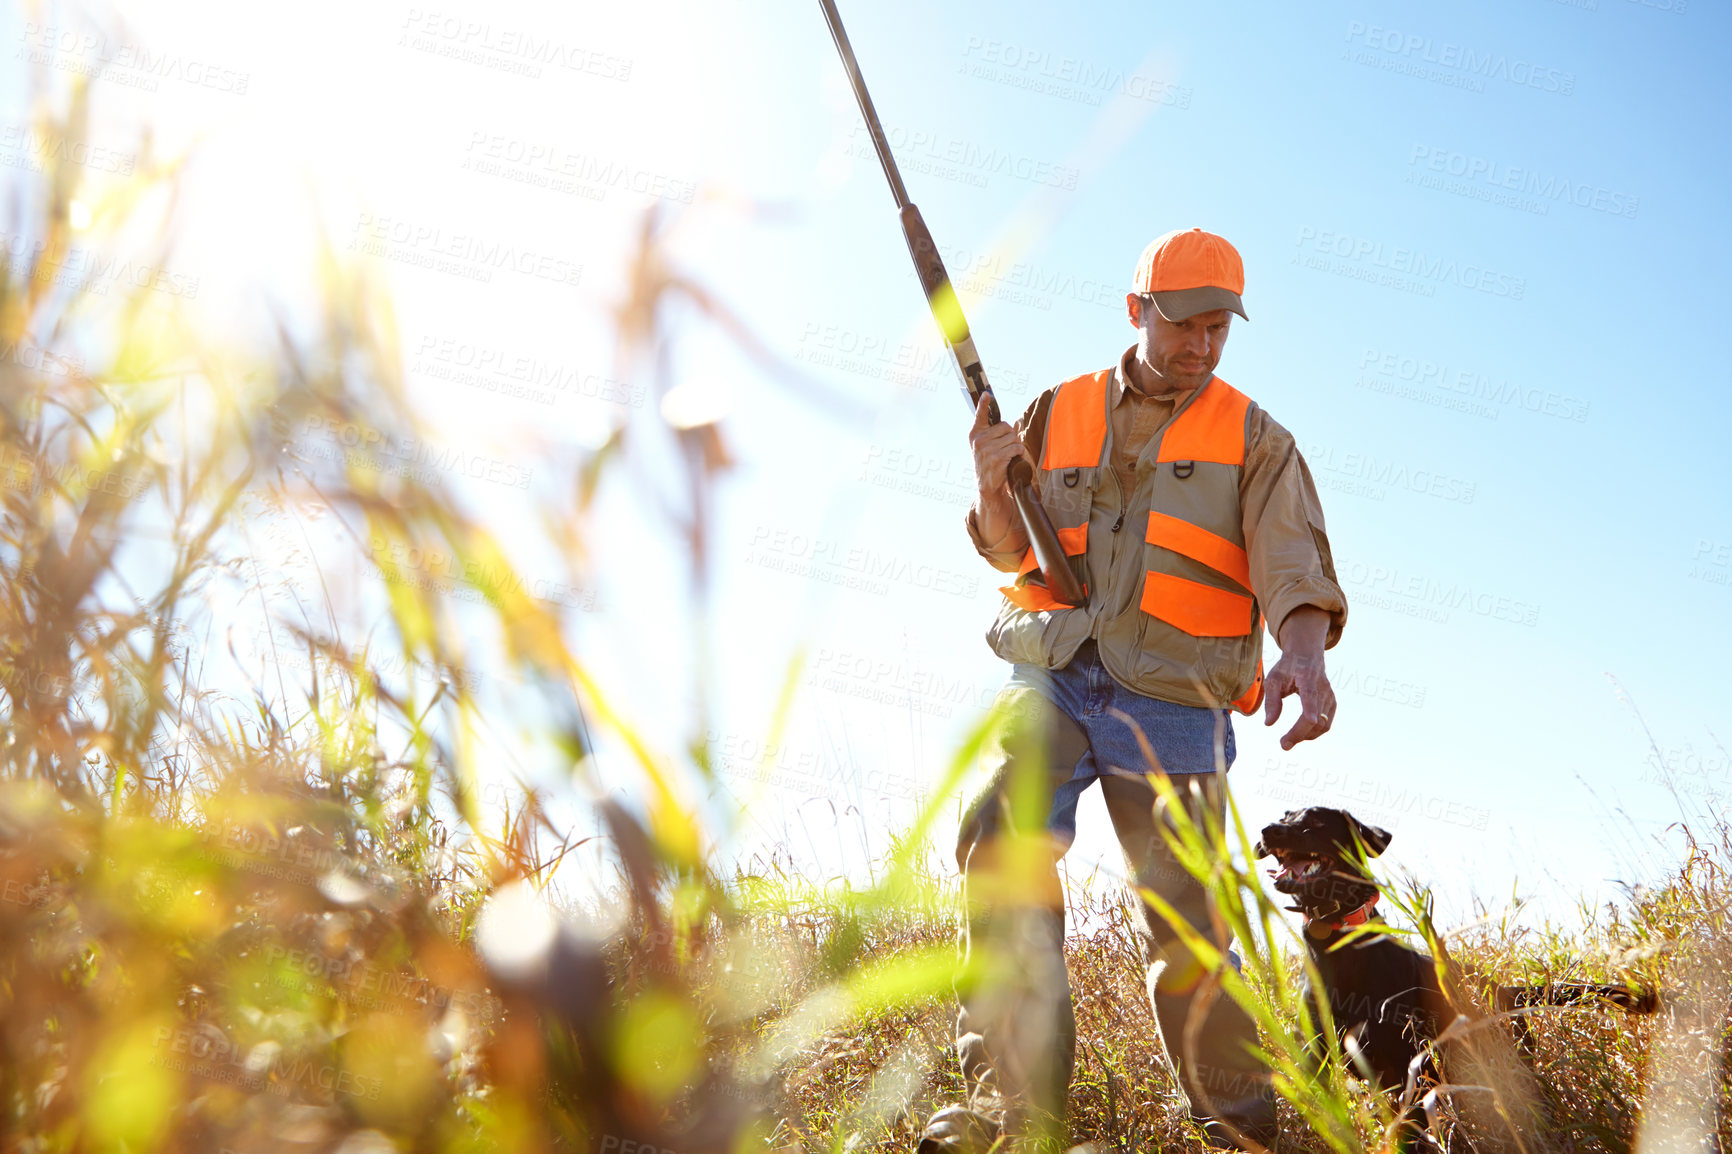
(1178, 304)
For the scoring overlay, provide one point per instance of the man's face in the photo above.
(1181, 354)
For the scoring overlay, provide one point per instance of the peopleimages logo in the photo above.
(1712, 561)
(1378, 800)
(1371, 260)
(1383, 370)
(1420, 595)
(38, 148)
(93, 54)
(94, 272)
(911, 364)
(362, 447)
(968, 161)
(1454, 64)
(459, 253)
(850, 566)
(1024, 282)
(503, 48)
(1488, 179)
(548, 165)
(1370, 475)
(812, 772)
(1066, 77)
(898, 683)
(512, 372)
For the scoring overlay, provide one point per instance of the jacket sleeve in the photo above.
(1006, 555)
(1291, 563)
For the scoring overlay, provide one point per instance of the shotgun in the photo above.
(1055, 568)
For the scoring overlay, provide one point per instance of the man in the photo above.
(1190, 517)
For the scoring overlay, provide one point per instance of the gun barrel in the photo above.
(1055, 568)
(864, 99)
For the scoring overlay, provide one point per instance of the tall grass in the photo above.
(262, 906)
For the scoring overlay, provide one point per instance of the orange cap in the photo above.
(1190, 271)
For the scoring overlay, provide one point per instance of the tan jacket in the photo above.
(1279, 522)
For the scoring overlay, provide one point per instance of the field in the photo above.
(282, 916)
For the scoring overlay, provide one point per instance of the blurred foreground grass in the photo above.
(278, 916)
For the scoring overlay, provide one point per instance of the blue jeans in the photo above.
(1016, 1031)
(1183, 738)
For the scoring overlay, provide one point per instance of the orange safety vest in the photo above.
(1211, 430)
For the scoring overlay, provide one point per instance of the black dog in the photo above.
(1384, 997)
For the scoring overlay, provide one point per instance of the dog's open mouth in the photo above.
(1296, 868)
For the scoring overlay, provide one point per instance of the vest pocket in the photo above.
(1174, 665)
(1222, 662)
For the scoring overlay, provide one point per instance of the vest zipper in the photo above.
(1120, 523)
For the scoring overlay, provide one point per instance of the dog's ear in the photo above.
(1376, 840)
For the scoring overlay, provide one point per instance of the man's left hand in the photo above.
(1300, 671)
